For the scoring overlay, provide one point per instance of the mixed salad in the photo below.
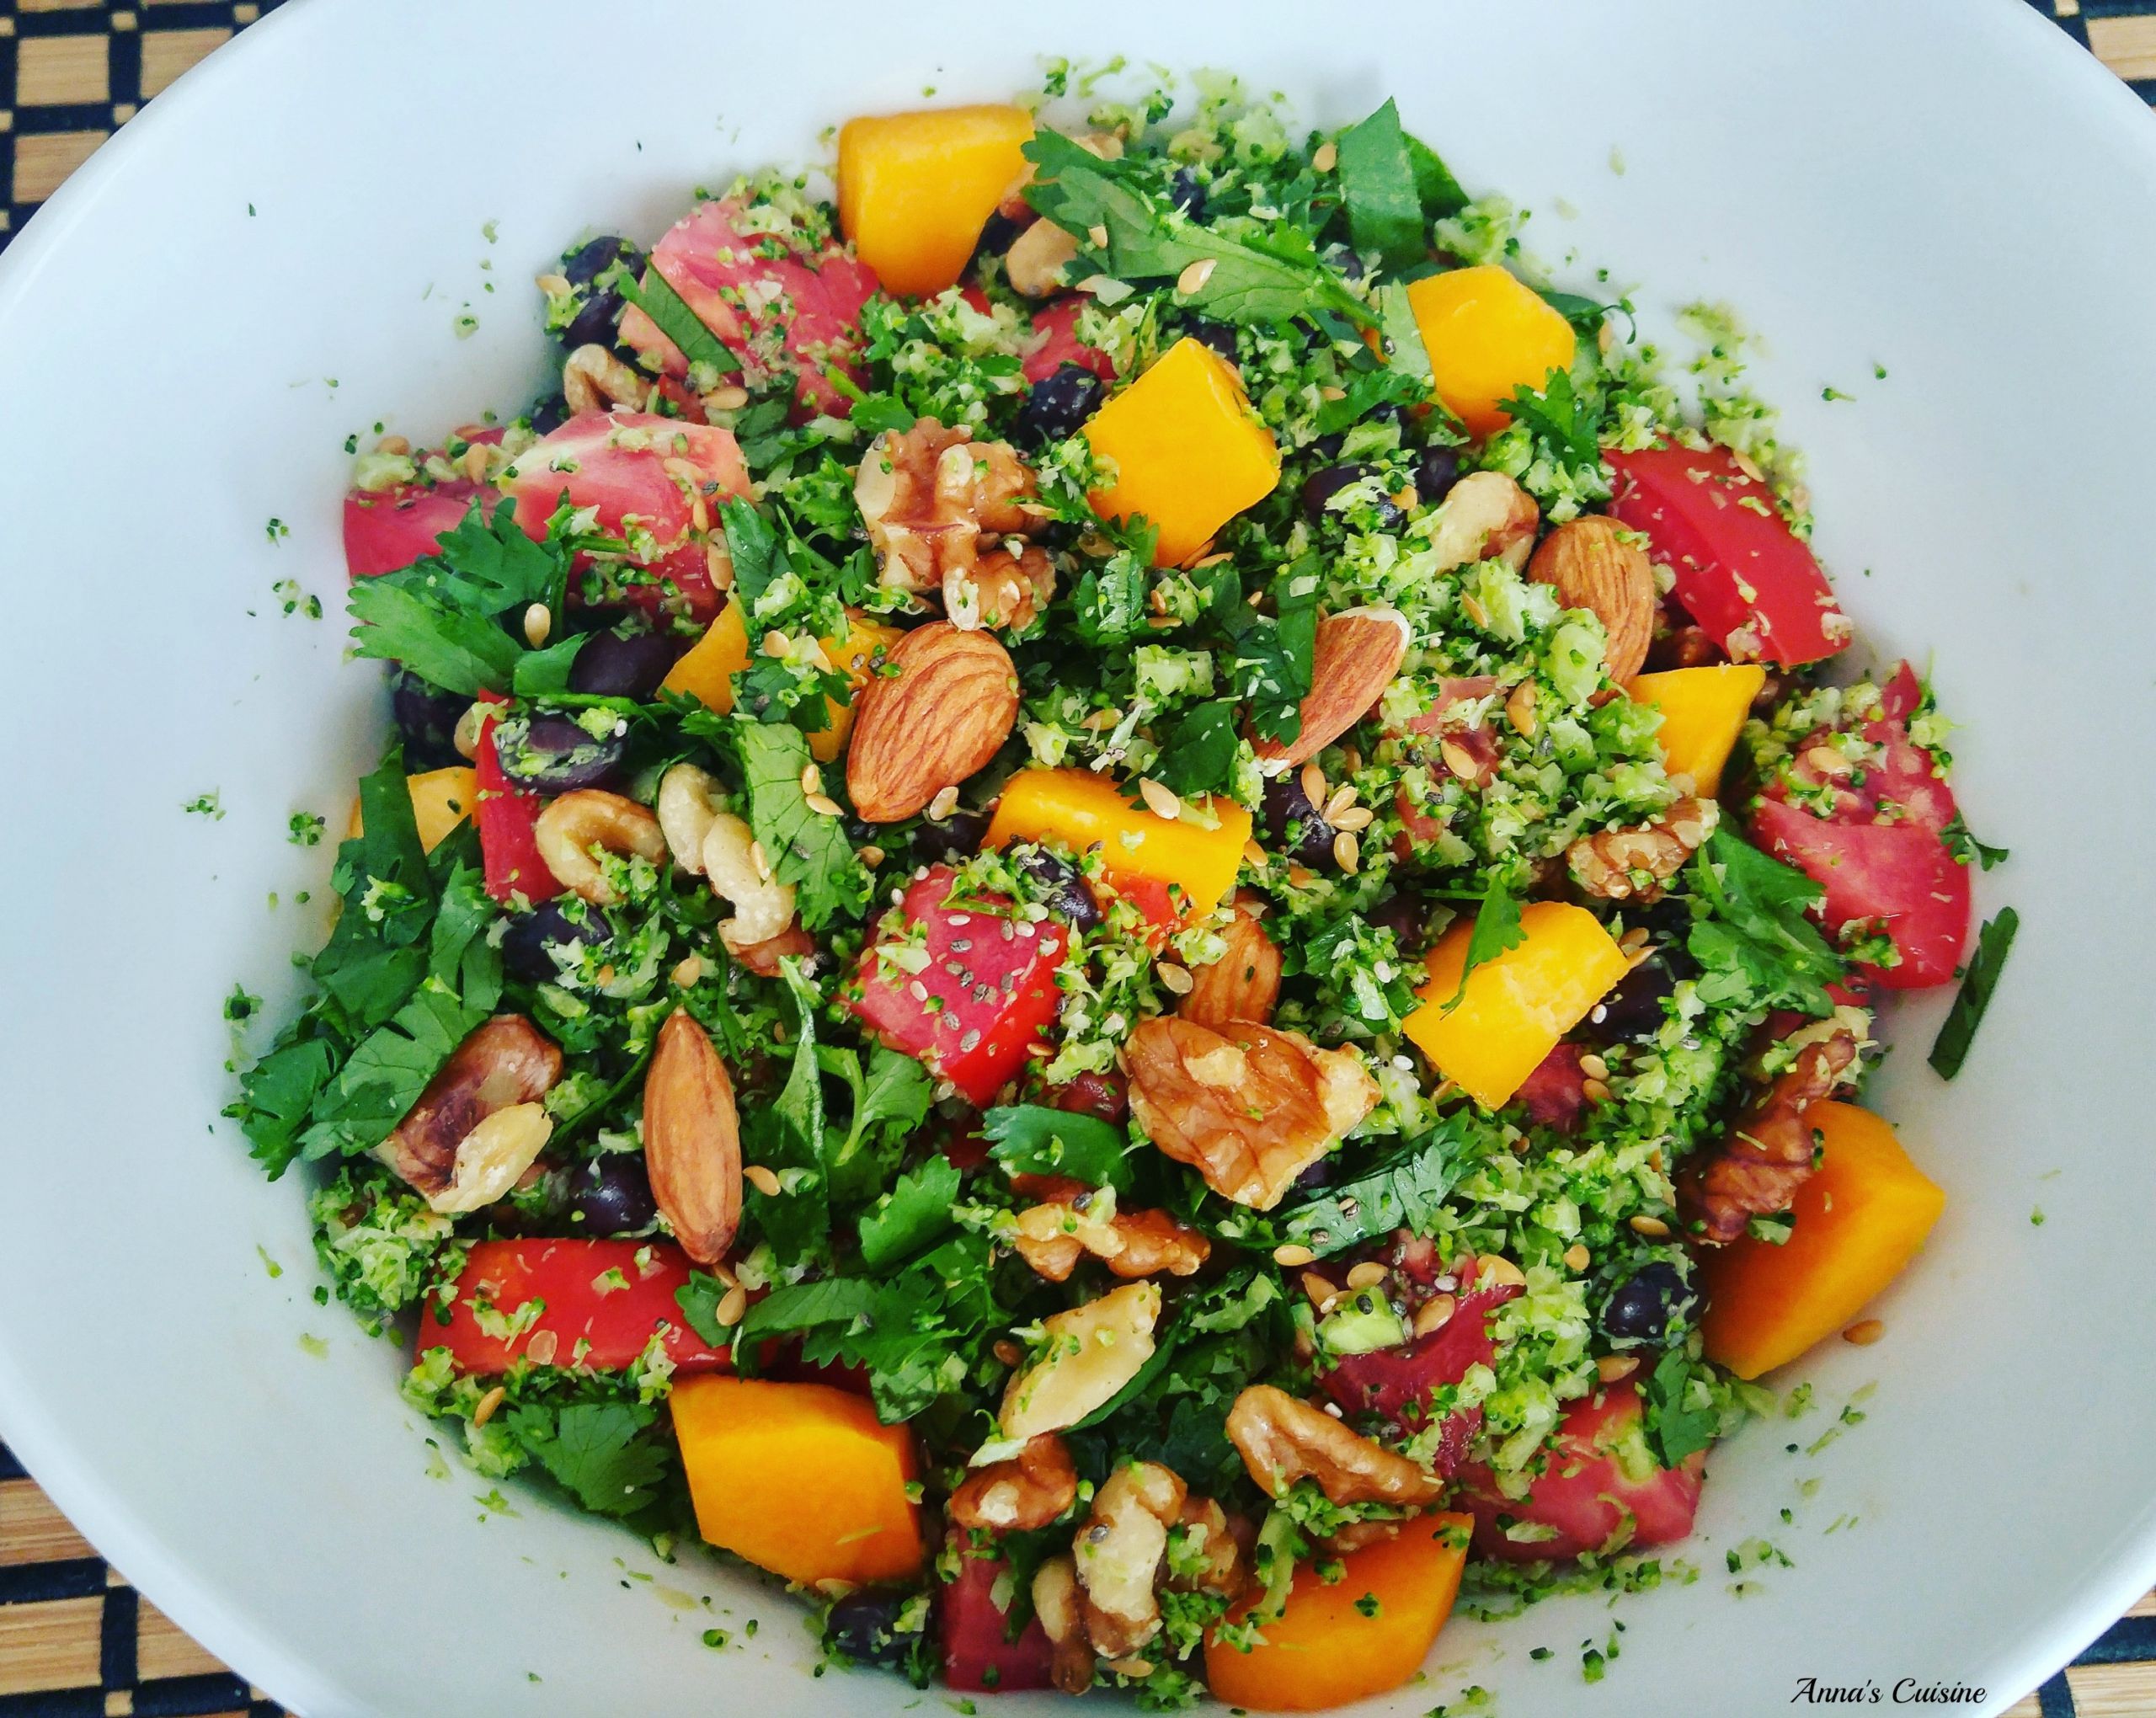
(1123, 910)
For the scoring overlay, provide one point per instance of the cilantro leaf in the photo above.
(538, 672)
(384, 1076)
(1676, 1429)
(805, 848)
(754, 546)
(597, 1451)
(787, 1137)
(1438, 190)
(1403, 1193)
(1496, 928)
(916, 1211)
(1032, 1138)
(1560, 419)
(1950, 1049)
(1271, 657)
(1377, 187)
(1755, 937)
(655, 296)
(275, 1096)
(890, 1101)
(1197, 751)
(1109, 605)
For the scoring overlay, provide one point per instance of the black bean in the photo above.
(611, 1195)
(598, 308)
(1436, 469)
(947, 840)
(1298, 827)
(555, 754)
(527, 944)
(1218, 335)
(1345, 261)
(1633, 1010)
(549, 414)
(1317, 1177)
(1057, 406)
(1062, 887)
(1642, 1309)
(996, 235)
(426, 720)
(1406, 914)
(619, 663)
(1185, 193)
(1328, 480)
(863, 1625)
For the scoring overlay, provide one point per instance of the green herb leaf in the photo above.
(787, 1138)
(1197, 752)
(655, 296)
(1496, 928)
(888, 1103)
(597, 1451)
(539, 672)
(1756, 938)
(805, 848)
(1439, 192)
(1403, 1193)
(916, 1211)
(1677, 1430)
(382, 1080)
(802, 1306)
(754, 546)
(1378, 186)
(1560, 419)
(1950, 1049)
(1032, 1138)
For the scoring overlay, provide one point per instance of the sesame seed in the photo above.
(688, 970)
(1595, 1090)
(1008, 1351)
(1459, 759)
(1342, 797)
(543, 1347)
(763, 1179)
(1355, 817)
(1253, 854)
(1159, 799)
(729, 398)
(1098, 233)
(1291, 1255)
(538, 622)
(812, 779)
(1325, 157)
(1495, 1271)
(392, 444)
(871, 856)
(1346, 850)
(1192, 279)
(1321, 1291)
(1652, 1227)
(1864, 1332)
(1313, 785)
(776, 643)
(1435, 1314)
(1519, 709)
(1594, 1067)
(756, 857)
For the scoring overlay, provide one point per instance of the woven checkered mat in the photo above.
(75, 1640)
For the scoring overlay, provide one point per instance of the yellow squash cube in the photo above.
(1078, 809)
(1703, 711)
(1517, 1005)
(1488, 336)
(1188, 454)
(706, 673)
(916, 190)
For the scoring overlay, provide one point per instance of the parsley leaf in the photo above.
(1559, 419)
(1755, 937)
(754, 546)
(916, 1211)
(275, 1098)
(805, 848)
(1950, 1049)
(1032, 1138)
(1378, 186)
(1270, 661)
(888, 1102)
(1197, 750)
(382, 1080)
(1403, 1193)
(596, 1450)
(801, 1306)
(655, 296)
(1676, 1429)
(1439, 192)
(1496, 928)
(787, 1136)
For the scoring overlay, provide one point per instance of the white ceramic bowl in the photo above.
(273, 256)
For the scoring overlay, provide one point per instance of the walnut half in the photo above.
(1054, 1234)
(1633, 864)
(1281, 1440)
(929, 496)
(1021, 1495)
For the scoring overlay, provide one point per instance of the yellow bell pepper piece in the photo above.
(799, 1479)
(706, 672)
(1703, 711)
(1518, 1005)
(1857, 1222)
(441, 799)
(916, 190)
(1188, 454)
(1488, 336)
(1078, 809)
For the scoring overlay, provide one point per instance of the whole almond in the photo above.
(692, 1139)
(1245, 982)
(944, 701)
(1356, 655)
(1592, 567)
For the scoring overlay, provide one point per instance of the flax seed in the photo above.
(1159, 799)
(487, 1404)
(1864, 1332)
(1291, 1254)
(762, 1179)
(538, 622)
(1652, 1227)
(1614, 1368)
(1435, 1314)
(1193, 280)
(1325, 157)
(1367, 1275)
(1577, 1256)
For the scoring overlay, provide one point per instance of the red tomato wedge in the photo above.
(777, 305)
(388, 529)
(1601, 1487)
(1055, 328)
(1901, 875)
(1395, 1383)
(1741, 572)
(649, 479)
(508, 816)
(1555, 1095)
(980, 999)
(977, 1657)
(590, 1317)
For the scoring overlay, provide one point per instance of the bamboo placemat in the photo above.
(75, 1640)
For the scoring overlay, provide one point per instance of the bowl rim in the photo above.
(2045, 59)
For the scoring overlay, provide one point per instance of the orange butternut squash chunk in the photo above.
(1488, 335)
(1858, 1221)
(1078, 809)
(916, 190)
(1322, 1650)
(1188, 454)
(441, 799)
(706, 671)
(1517, 1005)
(800, 1479)
(1703, 711)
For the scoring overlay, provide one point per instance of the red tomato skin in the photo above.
(388, 529)
(1156, 902)
(973, 1628)
(1739, 569)
(1388, 1382)
(705, 257)
(617, 1326)
(1018, 971)
(1055, 327)
(1585, 1493)
(508, 818)
(1901, 873)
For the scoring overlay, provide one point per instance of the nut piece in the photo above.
(593, 379)
(1245, 982)
(1035, 261)
(1205, 1530)
(689, 798)
(1632, 864)
(1592, 567)
(1249, 1109)
(929, 496)
(1487, 516)
(763, 906)
(1769, 1153)
(692, 1139)
(1281, 1440)
(1091, 1352)
(1118, 1554)
(1022, 1495)
(493, 1157)
(1060, 1605)
(1000, 589)
(944, 703)
(1054, 1236)
(572, 825)
(1356, 655)
(505, 1061)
